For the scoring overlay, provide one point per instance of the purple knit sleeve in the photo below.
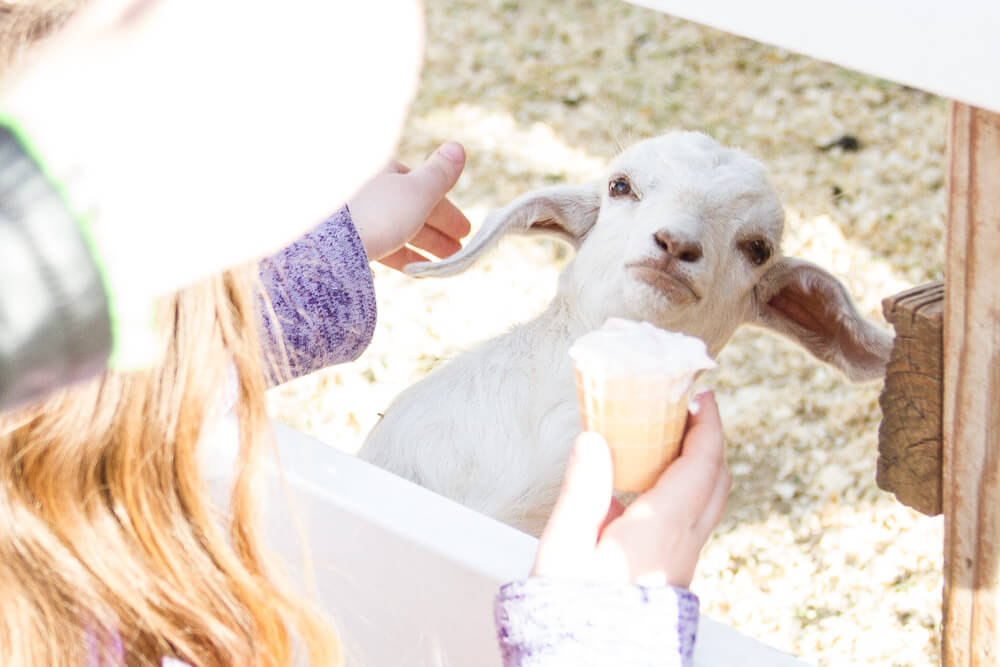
(546, 622)
(318, 301)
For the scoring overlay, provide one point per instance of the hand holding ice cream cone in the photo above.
(657, 539)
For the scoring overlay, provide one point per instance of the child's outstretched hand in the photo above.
(401, 206)
(657, 539)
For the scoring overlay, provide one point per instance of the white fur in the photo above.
(493, 428)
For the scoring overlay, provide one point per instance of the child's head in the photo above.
(110, 550)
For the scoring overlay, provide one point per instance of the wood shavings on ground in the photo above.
(811, 557)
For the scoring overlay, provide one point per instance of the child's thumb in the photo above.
(576, 521)
(439, 173)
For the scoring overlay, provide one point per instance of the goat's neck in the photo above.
(588, 295)
(565, 320)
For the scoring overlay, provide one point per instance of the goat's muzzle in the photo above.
(663, 274)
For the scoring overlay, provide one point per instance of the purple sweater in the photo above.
(320, 292)
(323, 297)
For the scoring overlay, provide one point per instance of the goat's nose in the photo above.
(683, 249)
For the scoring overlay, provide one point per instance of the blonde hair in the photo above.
(110, 549)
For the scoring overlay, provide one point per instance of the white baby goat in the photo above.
(683, 233)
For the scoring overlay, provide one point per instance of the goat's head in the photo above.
(686, 233)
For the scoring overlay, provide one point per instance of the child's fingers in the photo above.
(709, 518)
(401, 258)
(433, 241)
(580, 513)
(432, 180)
(447, 218)
(692, 477)
(396, 167)
(703, 439)
(614, 511)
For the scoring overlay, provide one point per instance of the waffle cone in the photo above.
(642, 420)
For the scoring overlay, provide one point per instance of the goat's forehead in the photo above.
(690, 152)
(693, 169)
(717, 174)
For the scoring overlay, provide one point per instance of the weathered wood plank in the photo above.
(971, 488)
(909, 437)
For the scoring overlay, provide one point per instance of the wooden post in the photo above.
(909, 437)
(971, 485)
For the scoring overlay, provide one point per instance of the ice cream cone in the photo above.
(638, 403)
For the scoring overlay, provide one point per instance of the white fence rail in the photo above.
(408, 575)
(948, 48)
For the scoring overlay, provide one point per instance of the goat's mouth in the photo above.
(655, 274)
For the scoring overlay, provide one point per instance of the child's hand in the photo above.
(657, 539)
(401, 206)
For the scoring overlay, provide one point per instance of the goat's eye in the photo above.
(758, 251)
(619, 187)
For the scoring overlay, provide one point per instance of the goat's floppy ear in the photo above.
(566, 211)
(810, 306)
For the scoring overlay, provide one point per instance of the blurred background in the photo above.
(810, 557)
